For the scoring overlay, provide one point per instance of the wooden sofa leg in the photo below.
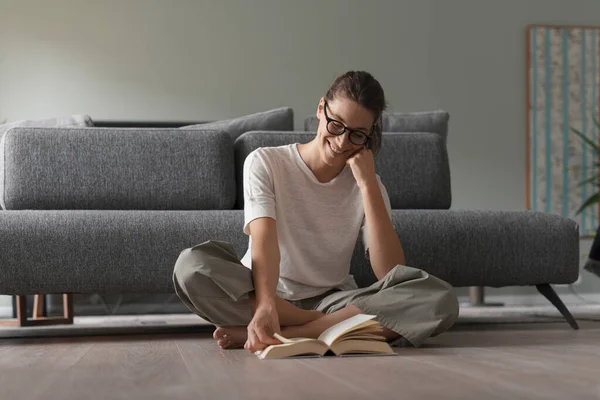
(38, 306)
(38, 318)
(22, 311)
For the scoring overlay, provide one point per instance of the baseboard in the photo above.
(537, 299)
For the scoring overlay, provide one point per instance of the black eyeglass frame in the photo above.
(366, 138)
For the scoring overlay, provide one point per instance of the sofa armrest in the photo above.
(485, 248)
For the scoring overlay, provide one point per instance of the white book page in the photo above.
(339, 329)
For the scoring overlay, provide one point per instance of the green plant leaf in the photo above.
(589, 180)
(587, 140)
(592, 200)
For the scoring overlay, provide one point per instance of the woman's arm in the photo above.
(265, 274)
(385, 249)
(259, 217)
(265, 260)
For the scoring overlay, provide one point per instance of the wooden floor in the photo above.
(518, 361)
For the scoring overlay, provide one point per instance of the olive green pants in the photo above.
(212, 282)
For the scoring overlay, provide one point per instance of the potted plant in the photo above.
(593, 262)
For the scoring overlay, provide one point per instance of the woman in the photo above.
(305, 207)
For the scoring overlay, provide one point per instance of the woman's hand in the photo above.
(363, 167)
(261, 329)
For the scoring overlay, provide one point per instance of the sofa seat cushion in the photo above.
(104, 251)
(484, 248)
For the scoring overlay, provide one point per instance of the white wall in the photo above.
(197, 60)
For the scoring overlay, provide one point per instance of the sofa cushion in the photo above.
(414, 167)
(422, 121)
(105, 251)
(484, 248)
(72, 121)
(311, 124)
(111, 168)
(100, 251)
(67, 121)
(279, 119)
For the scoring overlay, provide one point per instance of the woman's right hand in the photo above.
(261, 329)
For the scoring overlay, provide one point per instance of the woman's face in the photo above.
(336, 115)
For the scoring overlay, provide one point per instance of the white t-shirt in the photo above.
(318, 224)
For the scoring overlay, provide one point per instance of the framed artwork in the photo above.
(563, 78)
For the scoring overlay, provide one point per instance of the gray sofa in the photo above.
(108, 210)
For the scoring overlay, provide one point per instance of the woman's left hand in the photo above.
(363, 167)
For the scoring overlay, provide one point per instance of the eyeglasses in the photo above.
(335, 127)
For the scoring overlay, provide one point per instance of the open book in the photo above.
(353, 336)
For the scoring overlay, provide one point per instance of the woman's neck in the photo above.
(310, 154)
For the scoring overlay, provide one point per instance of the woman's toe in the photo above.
(227, 345)
(218, 333)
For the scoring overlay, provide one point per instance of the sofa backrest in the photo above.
(435, 121)
(116, 168)
(414, 166)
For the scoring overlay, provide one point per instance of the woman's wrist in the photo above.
(265, 300)
(368, 186)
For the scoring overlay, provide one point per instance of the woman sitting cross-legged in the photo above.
(305, 207)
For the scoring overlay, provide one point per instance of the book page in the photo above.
(285, 340)
(364, 336)
(337, 330)
(361, 347)
(293, 349)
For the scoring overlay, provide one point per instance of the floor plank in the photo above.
(517, 361)
(145, 367)
(233, 374)
(28, 369)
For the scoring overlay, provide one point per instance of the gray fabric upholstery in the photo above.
(416, 171)
(485, 248)
(67, 121)
(104, 251)
(135, 251)
(413, 166)
(90, 168)
(311, 124)
(279, 119)
(420, 121)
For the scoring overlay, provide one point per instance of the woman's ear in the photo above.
(320, 108)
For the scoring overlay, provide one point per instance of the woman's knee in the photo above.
(446, 307)
(188, 271)
(435, 294)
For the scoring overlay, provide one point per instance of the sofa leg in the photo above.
(551, 295)
(37, 318)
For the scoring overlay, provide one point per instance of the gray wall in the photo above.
(196, 60)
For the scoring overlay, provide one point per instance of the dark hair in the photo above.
(363, 88)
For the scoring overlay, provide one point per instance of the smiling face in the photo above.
(335, 115)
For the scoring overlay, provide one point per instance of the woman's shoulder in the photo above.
(272, 156)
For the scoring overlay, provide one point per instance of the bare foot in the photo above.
(231, 337)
